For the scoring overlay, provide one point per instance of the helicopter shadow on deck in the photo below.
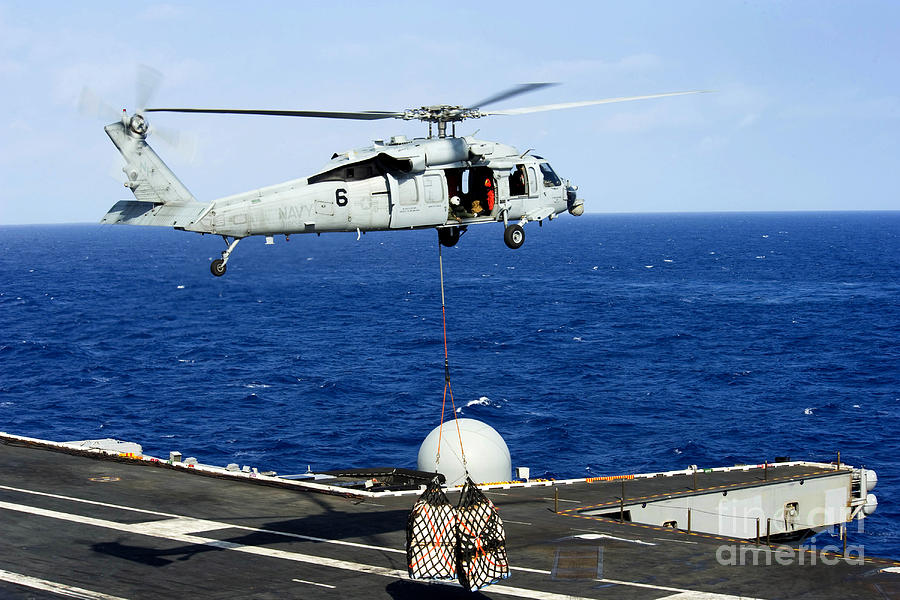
(366, 527)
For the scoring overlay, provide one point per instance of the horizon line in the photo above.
(611, 212)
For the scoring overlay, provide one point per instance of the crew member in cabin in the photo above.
(489, 194)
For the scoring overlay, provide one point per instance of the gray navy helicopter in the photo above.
(442, 181)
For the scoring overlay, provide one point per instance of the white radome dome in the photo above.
(487, 455)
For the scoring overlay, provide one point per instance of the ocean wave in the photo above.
(814, 329)
(482, 401)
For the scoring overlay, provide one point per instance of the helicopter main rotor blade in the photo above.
(522, 88)
(545, 107)
(370, 115)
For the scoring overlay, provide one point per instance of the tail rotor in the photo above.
(147, 82)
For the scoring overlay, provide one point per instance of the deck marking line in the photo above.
(263, 551)
(178, 525)
(701, 596)
(54, 587)
(603, 536)
(213, 525)
(867, 560)
(672, 495)
(324, 561)
(680, 594)
(83, 501)
(324, 585)
(228, 525)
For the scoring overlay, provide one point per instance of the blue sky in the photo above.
(806, 113)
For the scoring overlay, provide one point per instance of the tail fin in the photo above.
(161, 199)
(148, 176)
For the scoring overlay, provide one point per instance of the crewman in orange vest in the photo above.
(490, 194)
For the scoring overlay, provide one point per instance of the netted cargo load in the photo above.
(431, 536)
(481, 542)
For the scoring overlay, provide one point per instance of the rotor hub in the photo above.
(137, 124)
(441, 113)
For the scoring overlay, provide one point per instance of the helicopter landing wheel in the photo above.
(448, 236)
(514, 236)
(217, 267)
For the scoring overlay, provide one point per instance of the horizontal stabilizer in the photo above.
(134, 212)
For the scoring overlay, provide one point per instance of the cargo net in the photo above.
(465, 543)
(481, 542)
(431, 536)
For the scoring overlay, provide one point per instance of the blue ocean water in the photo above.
(608, 344)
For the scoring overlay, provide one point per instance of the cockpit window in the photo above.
(550, 178)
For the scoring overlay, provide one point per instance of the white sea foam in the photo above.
(808, 411)
(668, 260)
(180, 287)
(483, 401)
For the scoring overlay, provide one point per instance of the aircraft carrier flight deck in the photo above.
(85, 525)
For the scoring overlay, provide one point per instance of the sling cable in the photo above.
(466, 542)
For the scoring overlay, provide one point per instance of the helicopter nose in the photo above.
(576, 205)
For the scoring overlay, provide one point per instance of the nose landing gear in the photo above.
(217, 267)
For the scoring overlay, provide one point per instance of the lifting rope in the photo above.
(447, 386)
(466, 542)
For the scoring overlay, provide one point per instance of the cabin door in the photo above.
(418, 201)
